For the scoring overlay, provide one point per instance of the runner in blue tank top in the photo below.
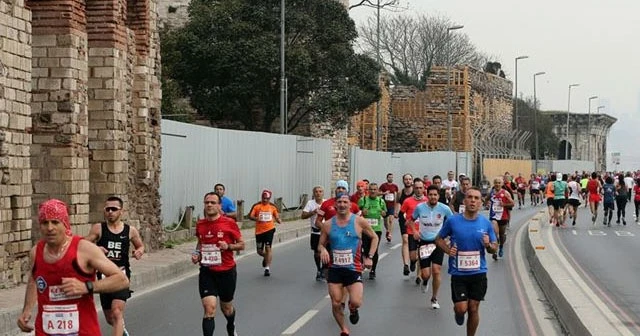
(344, 234)
(471, 235)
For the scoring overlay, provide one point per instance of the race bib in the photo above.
(60, 319)
(342, 257)
(468, 261)
(372, 221)
(497, 207)
(264, 216)
(461, 209)
(390, 197)
(211, 255)
(426, 250)
(521, 186)
(56, 294)
(535, 185)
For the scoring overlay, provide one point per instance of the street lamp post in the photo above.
(378, 59)
(589, 126)
(535, 115)
(515, 96)
(566, 142)
(283, 114)
(449, 71)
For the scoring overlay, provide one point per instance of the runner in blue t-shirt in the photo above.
(471, 235)
(609, 192)
(429, 218)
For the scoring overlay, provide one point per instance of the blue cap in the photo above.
(342, 184)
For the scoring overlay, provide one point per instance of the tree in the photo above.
(547, 141)
(412, 45)
(227, 61)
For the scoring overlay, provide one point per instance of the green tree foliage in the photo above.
(226, 59)
(547, 141)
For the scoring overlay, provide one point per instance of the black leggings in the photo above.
(637, 203)
(621, 203)
(366, 247)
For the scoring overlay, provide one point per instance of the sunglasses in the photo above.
(111, 209)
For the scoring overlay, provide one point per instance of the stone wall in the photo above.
(15, 140)
(419, 117)
(79, 117)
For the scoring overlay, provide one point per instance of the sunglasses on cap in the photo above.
(111, 209)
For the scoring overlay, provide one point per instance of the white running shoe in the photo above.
(435, 304)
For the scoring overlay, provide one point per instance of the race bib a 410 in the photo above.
(211, 255)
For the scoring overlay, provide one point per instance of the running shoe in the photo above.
(344, 333)
(418, 280)
(388, 236)
(319, 276)
(500, 252)
(495, 257)
(423, 286)
(231, 329)
(125, 332)
(459, 319)
(372, 275)
(405, 270)
(354, 316)
(267, 272)
(435, 304)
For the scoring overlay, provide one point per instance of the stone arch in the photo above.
(562, 150)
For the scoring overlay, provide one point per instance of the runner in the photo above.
(549, 195)
(595, 189)
(228, 207)
(407, 208)
(628, 182)
(406, 192)
(583, 185)
(429, 218)
(450, 183)
(622, 197)
(608, 192)
(636, 199)
(471, 235)
(521, 186)
(374, 210)
(534, 190)
(499, 202)
(344, 233)
(361, 191)
(445, 194)
(310, 212)
(64, 293)
(113, 237)
(456, 204)
(218, 237)
(265, 214)
(390, 194)
(559, 197)
(574, 198)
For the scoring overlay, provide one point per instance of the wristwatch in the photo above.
(370, 256)
(89, 285)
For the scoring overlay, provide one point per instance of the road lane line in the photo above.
(380, 257)
(580, 283)
(395, 246)
(293, 328)
(575, 233)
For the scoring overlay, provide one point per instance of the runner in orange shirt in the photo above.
(266, 215)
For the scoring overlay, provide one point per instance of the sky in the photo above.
(591, 42)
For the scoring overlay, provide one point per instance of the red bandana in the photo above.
(55, 209)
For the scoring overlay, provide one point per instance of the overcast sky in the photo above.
(591, 42)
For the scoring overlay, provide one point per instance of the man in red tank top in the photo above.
(63, 280)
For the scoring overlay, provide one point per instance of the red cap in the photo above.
(266, 193)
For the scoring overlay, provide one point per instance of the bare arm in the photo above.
(94, 233)
(134, 236)
(442, 244)
(238, 245)
(30, 297)
(93, 259)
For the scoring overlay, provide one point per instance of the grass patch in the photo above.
(173, 243)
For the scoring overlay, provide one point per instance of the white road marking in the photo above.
(575, 233)
(382, 256)
(597, 233)
(395, 246)
(293, 328)
(624, 234)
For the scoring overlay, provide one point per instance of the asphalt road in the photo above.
(606, 257)
(291, 302)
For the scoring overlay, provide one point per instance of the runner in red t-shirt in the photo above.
(407, 208)
(389, 192)
(218, 237)
(521, 187)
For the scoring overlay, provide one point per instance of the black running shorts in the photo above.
(468, 287)
(220, 284)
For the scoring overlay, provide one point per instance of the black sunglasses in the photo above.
(111, 209)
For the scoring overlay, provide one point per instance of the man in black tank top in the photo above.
(405, 193)
(114, 237)
(456, 204)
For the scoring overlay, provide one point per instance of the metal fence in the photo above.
(374, 166)
(195, 158)
(565, 166)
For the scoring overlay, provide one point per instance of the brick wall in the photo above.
(15, 141)
(419, 117)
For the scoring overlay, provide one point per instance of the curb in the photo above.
(572, 300)
(162, 272)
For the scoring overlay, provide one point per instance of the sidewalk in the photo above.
(153, 269)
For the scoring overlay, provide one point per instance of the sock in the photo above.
(266, 268)
(316, 258)
(208, 326)
(231, 319)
